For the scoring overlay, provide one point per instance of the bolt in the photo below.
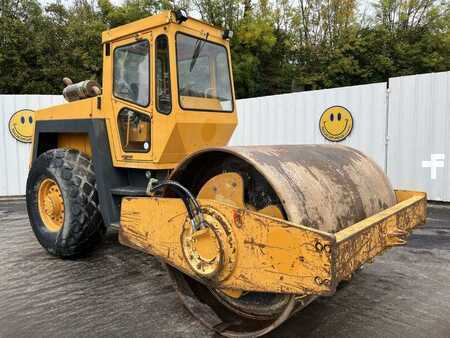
(319, 246)
(318, 280)
(327, 248)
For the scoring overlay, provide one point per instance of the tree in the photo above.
(279, 46)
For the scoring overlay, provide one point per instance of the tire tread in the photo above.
(83, 225)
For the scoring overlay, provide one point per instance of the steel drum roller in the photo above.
(327, 187)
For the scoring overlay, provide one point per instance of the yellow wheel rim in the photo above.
(51, 205)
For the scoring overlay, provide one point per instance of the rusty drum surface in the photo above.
(327, 187)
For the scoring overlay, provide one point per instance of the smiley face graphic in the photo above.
(21, 125)
(336, 123)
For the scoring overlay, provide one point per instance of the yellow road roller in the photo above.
(249, 235)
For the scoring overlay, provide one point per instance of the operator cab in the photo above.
(170, 88)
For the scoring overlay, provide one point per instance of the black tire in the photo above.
(83, 226)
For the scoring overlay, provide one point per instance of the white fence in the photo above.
(294, 118)
(419, 130)
(408, 135)
(14, 155)
(402, 131)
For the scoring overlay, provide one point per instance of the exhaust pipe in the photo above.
(80, 90)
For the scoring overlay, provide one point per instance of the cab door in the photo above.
(131, 99)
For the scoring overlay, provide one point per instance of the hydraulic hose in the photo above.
(192, 206)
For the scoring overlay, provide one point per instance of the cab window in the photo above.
(203, 75)
(131, 73)
(163, 92)
(134, 130)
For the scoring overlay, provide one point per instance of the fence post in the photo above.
(386, 143)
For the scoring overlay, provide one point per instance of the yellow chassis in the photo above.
(250, 251)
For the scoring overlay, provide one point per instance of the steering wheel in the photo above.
(207, 90)
(125, 89)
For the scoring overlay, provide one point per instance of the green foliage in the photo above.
(40, 46)
(279, 46)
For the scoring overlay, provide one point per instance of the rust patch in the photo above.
(237, 218)
(327, 187)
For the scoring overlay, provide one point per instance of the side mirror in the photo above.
(227, 34)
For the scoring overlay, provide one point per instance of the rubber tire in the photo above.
(83, 226)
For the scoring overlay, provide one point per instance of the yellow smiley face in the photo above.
(21, 125)
(336, 123)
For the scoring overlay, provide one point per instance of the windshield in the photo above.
(203, 75)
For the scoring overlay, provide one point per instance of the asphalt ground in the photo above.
(117, 291)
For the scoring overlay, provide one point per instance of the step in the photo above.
(129, 191)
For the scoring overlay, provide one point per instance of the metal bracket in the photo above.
(152, 182)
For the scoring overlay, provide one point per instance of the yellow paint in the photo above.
(336, 123)
(21, 125)
(404, 198)
(403, 195)
(140, 27)
(200, 103)
(229, 188)
(226, 188)
(205, 243)
(269, 256)
(51, 205)
(203, 251)
(364, 240)
(75, 141)
(82, 109)
(272, 255)
(272, 210)
(233, 293)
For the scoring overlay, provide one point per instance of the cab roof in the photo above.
(163, 18)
